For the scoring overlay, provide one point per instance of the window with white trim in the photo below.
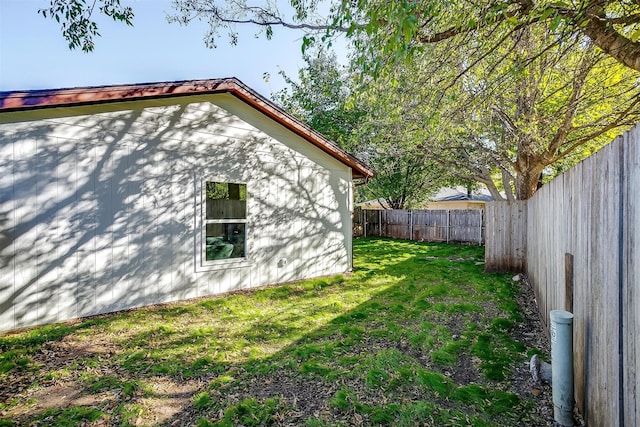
(225, 221)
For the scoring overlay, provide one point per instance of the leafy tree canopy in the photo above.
(519, 117)
(78, 21)
(402, 27)
(320, 97)
(328, 96)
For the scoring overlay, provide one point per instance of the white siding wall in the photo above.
(100, 206)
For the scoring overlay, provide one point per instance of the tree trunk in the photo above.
(527, 182)
(506, 183)
(396, 203)
(493, 190)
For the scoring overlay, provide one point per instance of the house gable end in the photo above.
(33, 100)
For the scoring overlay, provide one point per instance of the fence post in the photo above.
(568, 282)
(364, 222)
(480, 227)
(410, 225)
(448, 223)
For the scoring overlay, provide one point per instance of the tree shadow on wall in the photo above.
(101, 212)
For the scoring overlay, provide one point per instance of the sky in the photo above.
(34, 55)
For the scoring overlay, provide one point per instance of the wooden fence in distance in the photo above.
(453, 226)
(581, 251)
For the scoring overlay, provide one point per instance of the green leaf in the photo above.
(306, 42)
(555, 22)
(546, 13)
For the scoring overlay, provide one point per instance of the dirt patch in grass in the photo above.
(63, 395)
(167, 400)
(304, 396)
(466, 371)
(417, 335)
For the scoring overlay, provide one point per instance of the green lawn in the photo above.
(417, 335)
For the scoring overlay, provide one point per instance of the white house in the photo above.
(124, 196)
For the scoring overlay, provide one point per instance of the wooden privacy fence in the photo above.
(506, 236)
(578, 240)
(455, 226)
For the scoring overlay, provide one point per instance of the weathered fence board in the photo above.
(366, 222)
(397, 224)
(505, 219)
(430, 226)
(466, 226)
(580, 249)
(459, 226)
(631, 278)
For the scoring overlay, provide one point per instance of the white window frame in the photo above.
(202, 241)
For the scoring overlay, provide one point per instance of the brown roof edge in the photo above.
(38, 99)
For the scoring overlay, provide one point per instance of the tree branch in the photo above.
(614, 124)
(572, 106)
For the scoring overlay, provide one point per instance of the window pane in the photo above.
(226, 200)
(224, 241)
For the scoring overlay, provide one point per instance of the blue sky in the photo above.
(33, 54)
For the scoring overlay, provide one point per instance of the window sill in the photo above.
(225, 264)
